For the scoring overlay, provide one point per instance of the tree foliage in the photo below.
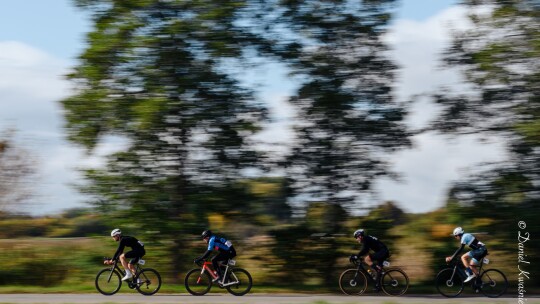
(347, 121)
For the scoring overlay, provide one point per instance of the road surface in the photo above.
(247, 299)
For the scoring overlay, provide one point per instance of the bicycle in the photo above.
(147, 281)
(237, 281)
(492, 282)
(393, 281)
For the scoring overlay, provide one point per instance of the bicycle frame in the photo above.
(207, 266)
(360, 268)
(460, 270)
(116, 267)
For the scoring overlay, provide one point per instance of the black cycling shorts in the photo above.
(478, 254)
(135, 255)
(379, 256)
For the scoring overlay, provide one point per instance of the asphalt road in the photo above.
(247, 299)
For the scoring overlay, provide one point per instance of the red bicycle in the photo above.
(237, 281)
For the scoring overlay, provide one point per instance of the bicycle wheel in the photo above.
(448, 283)
(148, 281)
(395, 282)
(197, 283)
(352, 282)
(494, 283)
(243, 282)
(108, 282)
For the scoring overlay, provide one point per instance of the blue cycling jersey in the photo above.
(217, 243)
(471, 241)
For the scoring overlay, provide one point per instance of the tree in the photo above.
(16, 171)
(347, 120)
(500, 59)
(153, 73)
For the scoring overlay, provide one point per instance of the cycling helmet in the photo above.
(359, 232)
(116, 232)
(458, 231)
(206, 233)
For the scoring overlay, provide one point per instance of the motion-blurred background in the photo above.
(282, 125)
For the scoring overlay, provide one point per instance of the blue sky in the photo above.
(58, 27)
(40, 39)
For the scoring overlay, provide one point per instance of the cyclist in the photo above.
(225, 248)
(470, 259)
(136, 253)
(380, 252)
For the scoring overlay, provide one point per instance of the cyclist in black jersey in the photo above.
(380, 251)
(136, 253)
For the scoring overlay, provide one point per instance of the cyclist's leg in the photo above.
(476, 256)
(221, 256)
(134, 256)
(123, 261)
(378, 258)
(368, 259)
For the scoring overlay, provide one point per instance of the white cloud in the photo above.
(430, 167)
(31, 85)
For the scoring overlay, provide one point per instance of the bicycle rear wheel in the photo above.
(352, 282)
(494, 283)
(448, 283)
(148, 281)
(394, 282)
(108, 281)
(243, 279)
(197, 283)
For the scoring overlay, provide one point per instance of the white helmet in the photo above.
(458, 231)
(116, 232)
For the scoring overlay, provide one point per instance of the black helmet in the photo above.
(206, 233)
(359, 232)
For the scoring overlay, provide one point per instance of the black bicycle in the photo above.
(393, 281)
(147, 281)
(492, 282)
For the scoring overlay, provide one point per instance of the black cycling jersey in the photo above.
(128, 241)
(371, 242)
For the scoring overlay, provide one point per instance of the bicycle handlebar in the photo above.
(199, 262)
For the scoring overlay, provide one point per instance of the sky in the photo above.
(40, 40)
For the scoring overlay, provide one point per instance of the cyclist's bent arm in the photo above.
(205, 255)
(119, 251)
(457, 251)
(363, 250)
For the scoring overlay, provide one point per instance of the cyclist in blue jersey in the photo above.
(224, 247)
(472, 258)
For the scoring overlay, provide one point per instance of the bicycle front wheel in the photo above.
(352, 282)
(449, 283)
(242, 280)
(197, 283)
(395, 282)
(108, 281)
(148, 281)
(494, 283)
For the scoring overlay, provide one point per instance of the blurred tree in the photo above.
(17, 168)
(154, 72)
(500, 58)
(163, 74)
(347, 121)
(309, 248)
